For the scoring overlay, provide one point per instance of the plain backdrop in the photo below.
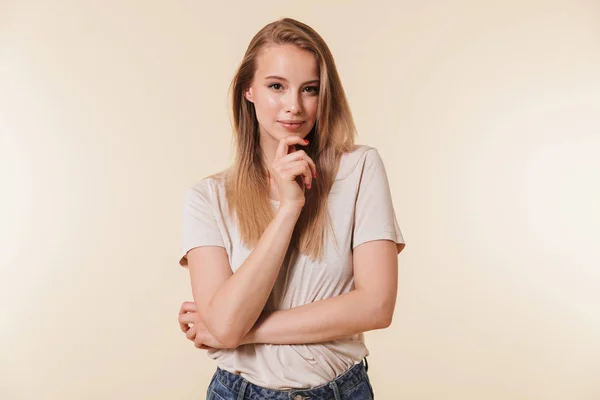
(487, 116)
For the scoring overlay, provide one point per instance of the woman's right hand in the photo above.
(289, 164)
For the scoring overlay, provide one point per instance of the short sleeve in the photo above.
(200, 227)
(374, 216)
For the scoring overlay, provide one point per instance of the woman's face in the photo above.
(285, 92)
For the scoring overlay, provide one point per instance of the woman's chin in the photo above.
(285, 134)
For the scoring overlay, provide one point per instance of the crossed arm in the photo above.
(369, 306)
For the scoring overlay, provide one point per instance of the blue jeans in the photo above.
(353, 384)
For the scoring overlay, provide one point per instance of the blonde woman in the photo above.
(292, 251)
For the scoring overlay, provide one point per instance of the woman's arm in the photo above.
(369, 306)
(231, 303)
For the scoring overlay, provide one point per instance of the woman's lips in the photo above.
(291, 126)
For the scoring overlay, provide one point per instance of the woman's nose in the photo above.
(293, 102)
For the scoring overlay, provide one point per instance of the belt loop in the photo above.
(336, 390)
(366, 365)
(242, 392)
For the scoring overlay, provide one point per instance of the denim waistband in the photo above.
(341, 384)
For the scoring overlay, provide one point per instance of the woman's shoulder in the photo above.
(352, 161)
(209, 185)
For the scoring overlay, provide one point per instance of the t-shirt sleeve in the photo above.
(374, 216)
(200, 226)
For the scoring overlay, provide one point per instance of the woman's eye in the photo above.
(309, 89)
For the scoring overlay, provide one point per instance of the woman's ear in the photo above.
(248, 94)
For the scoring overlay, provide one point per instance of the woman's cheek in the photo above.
(268, 106)
(273, 101)
(313, 107)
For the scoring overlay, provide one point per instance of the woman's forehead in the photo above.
(289, 62)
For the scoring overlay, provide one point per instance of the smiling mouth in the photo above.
(292, 126)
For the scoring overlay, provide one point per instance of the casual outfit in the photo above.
(361, 210)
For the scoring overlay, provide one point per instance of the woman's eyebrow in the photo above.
(283, 79)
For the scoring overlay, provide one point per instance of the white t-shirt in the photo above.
(361, 210)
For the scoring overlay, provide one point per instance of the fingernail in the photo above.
(305, 141)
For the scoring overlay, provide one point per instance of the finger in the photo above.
(187, 319)
(202, 346)
(301, 155)
(285, 143)
(200, 340)
(300, 168)
(281, 149)
(191, 333)
(302, 171)
(187, 306)
(190, 306)
(184, 327)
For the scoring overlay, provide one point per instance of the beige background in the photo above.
(487, 115)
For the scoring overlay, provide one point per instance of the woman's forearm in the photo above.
(237, 305)
(321, 321)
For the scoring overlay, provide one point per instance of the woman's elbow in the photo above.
(229, 341)
(383, 314)
(384, 321)
(225, 333)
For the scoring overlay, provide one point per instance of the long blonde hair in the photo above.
(247, 186)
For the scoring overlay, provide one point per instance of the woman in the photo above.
(292, 252)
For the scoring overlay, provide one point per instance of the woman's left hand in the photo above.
(191, 324)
